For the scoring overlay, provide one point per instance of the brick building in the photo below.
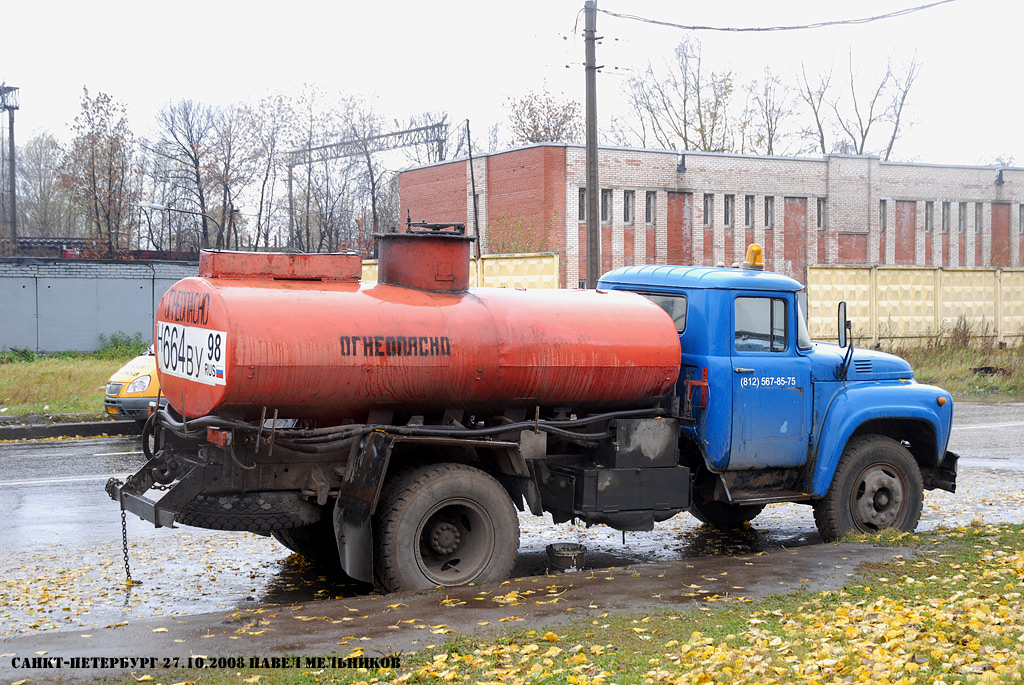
(705, 208)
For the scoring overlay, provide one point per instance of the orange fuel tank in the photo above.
(300, 334)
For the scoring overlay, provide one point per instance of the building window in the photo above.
(649, 207)
(979, 217)
(729, 209)
(709, 208)
(748, 211)
(962, 223)
(883, 216)
(929, 217)
(945, 217)
(583, 205)
(821, 214)
(769, 211)
(1020, 222)
(606, 206)
(628, 200)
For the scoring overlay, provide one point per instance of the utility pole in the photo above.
(9, 102)
(593, 190)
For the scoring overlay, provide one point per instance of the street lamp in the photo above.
(164, 208)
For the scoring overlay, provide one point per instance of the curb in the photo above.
(90, 429)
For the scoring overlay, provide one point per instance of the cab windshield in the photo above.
(803, 338)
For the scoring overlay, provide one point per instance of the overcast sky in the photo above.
(466, 57)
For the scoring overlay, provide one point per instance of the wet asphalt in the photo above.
(62, 585)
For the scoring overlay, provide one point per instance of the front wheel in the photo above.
(877, 485)
(445, 524)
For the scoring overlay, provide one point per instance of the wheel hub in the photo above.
(444, 538)
(878, 498)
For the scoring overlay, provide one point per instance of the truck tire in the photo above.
(877, 485)
(316, 542)
(724, 516)
(257, 512)
(444, 524)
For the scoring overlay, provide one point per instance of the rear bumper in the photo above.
(162, 512)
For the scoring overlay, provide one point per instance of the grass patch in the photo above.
(57, 385)
(971, 371)
(63, 382)
(951, 613)
(964, 359)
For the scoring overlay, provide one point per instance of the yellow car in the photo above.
(133, 387)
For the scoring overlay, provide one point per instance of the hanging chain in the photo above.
(124, 548)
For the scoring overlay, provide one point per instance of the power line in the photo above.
(818, 25)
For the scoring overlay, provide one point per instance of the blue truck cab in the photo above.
(768, 415)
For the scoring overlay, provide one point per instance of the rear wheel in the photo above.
(316, 541)
(445, 524)
(877, 485)
(723, 516)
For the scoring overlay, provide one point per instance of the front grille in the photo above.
(862, 365)
(114, 388)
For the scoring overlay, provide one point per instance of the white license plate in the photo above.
(197, 354)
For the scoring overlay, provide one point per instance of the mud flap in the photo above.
(355, 544)
(367, 464)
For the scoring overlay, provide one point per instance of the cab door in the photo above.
(772, 401)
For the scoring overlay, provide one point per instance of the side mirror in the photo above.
(844, 325)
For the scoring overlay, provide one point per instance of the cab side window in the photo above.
(674, 305)
(760, 324)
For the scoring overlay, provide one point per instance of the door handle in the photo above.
(740, 369)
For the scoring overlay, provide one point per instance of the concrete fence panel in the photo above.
(18, 304)
(66, 305)
(917, 303)
(527, 270)
(534, 270)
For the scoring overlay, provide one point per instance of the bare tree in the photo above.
(100, 172)
(364, 124)
(901, 84)
(269, 119)
(770, 109)
(186, 140)
(863, 113)
(233, 164)
(813, 95)
(45, 204)
(862, 117)
(683, 108)
(540, 117)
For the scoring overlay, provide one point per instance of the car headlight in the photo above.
(138, 385)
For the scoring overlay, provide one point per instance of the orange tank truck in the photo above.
(390, 430)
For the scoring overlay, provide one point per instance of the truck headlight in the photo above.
(138, 385)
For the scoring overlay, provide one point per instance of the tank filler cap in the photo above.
(755, 258)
